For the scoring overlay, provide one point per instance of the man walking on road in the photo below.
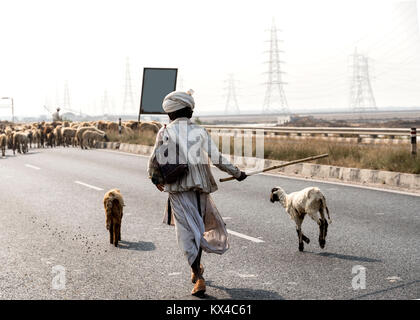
(198, 223)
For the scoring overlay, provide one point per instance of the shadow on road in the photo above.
(344, 256)
(244, 293)
(23, 154)
(140, 246)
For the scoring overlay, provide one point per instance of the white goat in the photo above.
(297, 204)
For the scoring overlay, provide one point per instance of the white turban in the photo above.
(177, 100)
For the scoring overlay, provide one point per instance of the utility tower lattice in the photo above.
(274, 81)
(128, 103)
(105, 103)
(66, 99)
(180, 84)
(361, 94)
(231, 97)
(57, 97)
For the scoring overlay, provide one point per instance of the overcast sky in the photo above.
(86, 43)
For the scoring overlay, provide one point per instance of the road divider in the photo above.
(88, 185)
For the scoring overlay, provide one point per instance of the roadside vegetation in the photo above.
(395, 158)
(146, 138)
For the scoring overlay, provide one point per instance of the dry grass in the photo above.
(377, 157)
(395, 158)
(145, 138)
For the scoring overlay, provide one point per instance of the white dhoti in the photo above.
(192, 230)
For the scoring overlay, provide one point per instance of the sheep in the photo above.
(41, 136)
(20, 142)
(58, 136)
(89, 137)
(101, 125)
(148, 126)
(112, 126)
(82, 129)
(69, 135)
(307, 201)
(9, 133)
(3, 142)
(113, 204)
(158, 124)
(126, 130)
(30, 136)
(51, 139)
(134, 125)
(47, 137)
(36, 133)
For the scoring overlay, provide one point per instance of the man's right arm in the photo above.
(221, 162)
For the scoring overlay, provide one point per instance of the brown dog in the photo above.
(113, 204)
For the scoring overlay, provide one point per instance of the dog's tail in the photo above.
(116, 194)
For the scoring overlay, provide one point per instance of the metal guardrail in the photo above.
(319, 130)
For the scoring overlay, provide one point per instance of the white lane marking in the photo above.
(32, 167)
(247, 275)
(342, 184)
(380, 214)
(244, 236)
(88, 185)
(393, 279)
(227, 218)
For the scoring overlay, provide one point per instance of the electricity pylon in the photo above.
(361, 93)
(231, 101)
(274, 82)
(128, 102)
(66, 99)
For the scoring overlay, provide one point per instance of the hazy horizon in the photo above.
(86, 44)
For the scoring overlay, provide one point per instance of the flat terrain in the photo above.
(263, 119)
(51, 213)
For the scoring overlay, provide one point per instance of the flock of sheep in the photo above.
(21, 137)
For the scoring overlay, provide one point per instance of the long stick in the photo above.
(279, 166)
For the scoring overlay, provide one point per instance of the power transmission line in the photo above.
(274, 81)
(128, 102)
(66, 99)
(361, 94)
(105, 103)
(231, 97)
(180, 84)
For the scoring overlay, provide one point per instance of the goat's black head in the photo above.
(274, 196)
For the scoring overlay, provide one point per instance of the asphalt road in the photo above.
(51, 214)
